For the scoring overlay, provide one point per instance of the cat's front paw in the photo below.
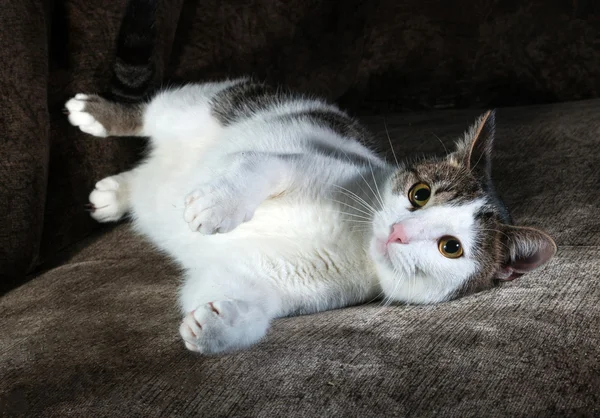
(108, 200)
(216, 208)
(79, 114)
(222, 326)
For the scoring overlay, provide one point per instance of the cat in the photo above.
(275, 204)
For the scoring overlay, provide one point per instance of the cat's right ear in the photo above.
(527, 249)
(474, 151)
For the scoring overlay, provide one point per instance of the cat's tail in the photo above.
(135, 67)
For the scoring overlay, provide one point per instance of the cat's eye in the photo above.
(450, 247)
(419, 195)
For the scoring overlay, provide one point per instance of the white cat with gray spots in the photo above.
(275, 204)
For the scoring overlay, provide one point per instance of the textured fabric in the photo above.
(405, 54)
(370, 55)
(23, 135)
(96, 335)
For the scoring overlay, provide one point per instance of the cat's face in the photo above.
(443, 233)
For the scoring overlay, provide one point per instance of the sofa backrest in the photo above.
(371, 56)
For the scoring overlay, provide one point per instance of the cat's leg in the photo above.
(231, 197)
(176, 114)
(225, 311)
(248, 179)
(109, 201)
(101, 117)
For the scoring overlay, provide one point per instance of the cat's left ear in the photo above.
(527, 249)
(475, 150)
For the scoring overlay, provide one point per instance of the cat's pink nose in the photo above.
(398, 235)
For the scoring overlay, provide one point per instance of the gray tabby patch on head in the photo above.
(501, 250)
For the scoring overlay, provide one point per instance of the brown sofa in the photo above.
(89, 319)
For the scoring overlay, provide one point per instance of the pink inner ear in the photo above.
(520, 266)
(524, 265)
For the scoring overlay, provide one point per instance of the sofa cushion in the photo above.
(23, 136)
(96, 334)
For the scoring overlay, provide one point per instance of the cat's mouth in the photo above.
(383, 244)
(382, 250)
(395, 261)
(381, 247)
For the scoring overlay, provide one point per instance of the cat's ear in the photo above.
(526, 250)
(474, 151)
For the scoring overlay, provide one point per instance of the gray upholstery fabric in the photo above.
(96, 333)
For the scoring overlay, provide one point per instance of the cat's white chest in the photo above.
(302, 246)
(158, 191)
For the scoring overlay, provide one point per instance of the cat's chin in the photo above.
(398, 286)
(411, 291)
(381, 256)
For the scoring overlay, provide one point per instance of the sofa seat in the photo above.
(95, 333)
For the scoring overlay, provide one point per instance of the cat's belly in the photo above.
(301, 247)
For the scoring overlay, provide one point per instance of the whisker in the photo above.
(375, 183)
(358, 198)
(354, 215)
(358, 221)
(361, 201)
(375, 298)
(360, 174)
(390, 141)
(441, 142)
(355, 208)
(387, 301)
(368, 208)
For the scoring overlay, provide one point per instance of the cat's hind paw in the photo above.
(107, 200)
(79, 116)
(222, 326)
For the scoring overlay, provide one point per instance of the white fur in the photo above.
(417, 272)
(110, 198)
(248, 211)
(78, 117)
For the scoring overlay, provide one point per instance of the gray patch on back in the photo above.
(244, 100)
(331, 151)
(337, 121)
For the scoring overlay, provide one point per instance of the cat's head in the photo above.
(442, 232)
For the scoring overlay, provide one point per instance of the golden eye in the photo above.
(419, 194)
(450, 247)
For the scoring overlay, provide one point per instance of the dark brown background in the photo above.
(370, 56)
